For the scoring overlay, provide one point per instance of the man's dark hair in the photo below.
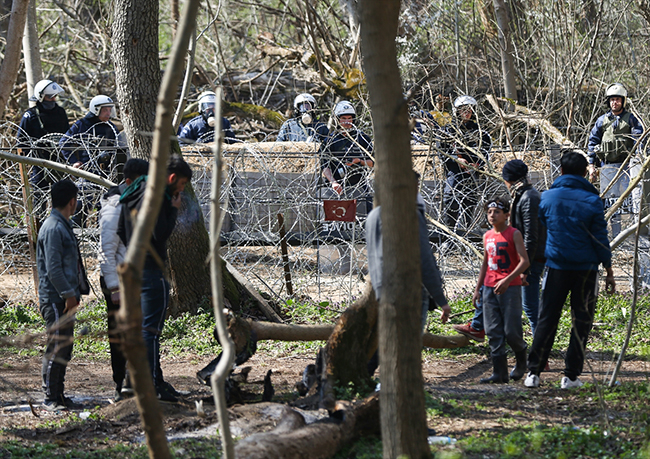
(62, 192)
(573, 163)
(178, 166)
(499, 202)
(135, 167)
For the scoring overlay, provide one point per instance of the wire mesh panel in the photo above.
(326, 259)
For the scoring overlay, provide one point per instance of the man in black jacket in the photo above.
(155, 288)
(37, 127)
(525, 207)
(467, 147)
(523, 216)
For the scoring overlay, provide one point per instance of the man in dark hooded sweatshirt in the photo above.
(155, 288)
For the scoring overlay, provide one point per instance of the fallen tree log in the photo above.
(266, 308)
(246, 333)
(319, 440)
(283, 332)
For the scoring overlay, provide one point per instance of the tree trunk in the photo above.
(242, 331)
(349, 348)
(130, 315)
(403, 417)
(11, 61)
(188, 249)
(33, 69)
(505, 44)
(137, 76)
(137, 70)
(175, 15)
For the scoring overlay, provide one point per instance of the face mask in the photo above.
(211, 121)
(306, 118)
(48, 104)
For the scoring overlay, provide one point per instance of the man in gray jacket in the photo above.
(62, 281)
(431, 278)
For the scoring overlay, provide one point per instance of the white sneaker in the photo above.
(531, 380)
(566, 383)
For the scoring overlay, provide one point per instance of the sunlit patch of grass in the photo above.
(539, 441)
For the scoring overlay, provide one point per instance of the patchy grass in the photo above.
(593, 422)
(179, 449)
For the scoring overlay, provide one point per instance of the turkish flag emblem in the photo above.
(340, 211)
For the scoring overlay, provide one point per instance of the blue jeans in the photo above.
(503, 320)
(154, 301)
(530, 294)
(477, 321)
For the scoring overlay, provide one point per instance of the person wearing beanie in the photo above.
(523, 216)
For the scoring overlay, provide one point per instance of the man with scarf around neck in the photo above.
(155, 288)
(111, 253)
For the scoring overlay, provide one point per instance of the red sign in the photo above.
(340, 211)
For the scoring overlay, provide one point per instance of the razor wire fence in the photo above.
(265, 183)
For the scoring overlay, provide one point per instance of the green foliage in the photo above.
(18, 318)
(205, 447)
(548, 442)
(352, 392)
(309, 312)
(607, 336)
(190, 333)
(610, 324)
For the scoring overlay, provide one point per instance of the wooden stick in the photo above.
(266, 308)
(285, 254)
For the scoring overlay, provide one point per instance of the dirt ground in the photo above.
(464, 407)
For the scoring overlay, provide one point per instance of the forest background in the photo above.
(563, 55)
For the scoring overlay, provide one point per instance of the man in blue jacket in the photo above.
(61, 282)
(200, 129)
(89, 144)
(95, 130)
(611, 143)
(576, 244)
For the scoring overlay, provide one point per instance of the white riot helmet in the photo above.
(344, 108)
(207, 100)
(207, 103)
(100, 101)
(616, 89)
(303, 104)
(464, 100)
(46, 88)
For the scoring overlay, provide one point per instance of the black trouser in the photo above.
(555, 288)
(118, 361)
(459, 200)
(60, 337)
